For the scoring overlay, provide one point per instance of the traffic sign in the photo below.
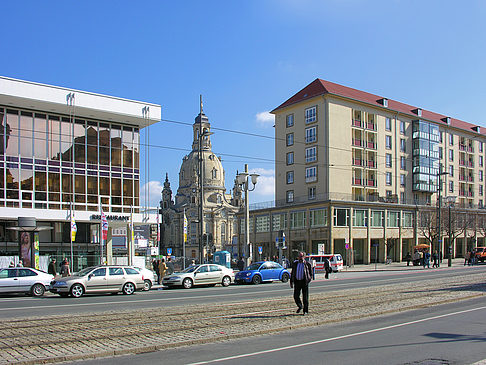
(169, 251)
(347, 246)
(260, 250)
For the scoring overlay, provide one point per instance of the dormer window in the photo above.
(417, 111)
(384, 102)
(477, 129)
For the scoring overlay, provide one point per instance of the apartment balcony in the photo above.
(357, 181)
(357, 142)
(371, 145)
(470, 149)
(467, 194)
(470, 164)
(357, 162)
(357, 123)
(462, 163)
(462, 178)
(371, 126)
(462, 147)
(371, 164)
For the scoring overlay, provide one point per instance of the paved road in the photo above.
(21, 306)
(447, 334)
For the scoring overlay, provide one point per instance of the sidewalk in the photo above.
(400, 266)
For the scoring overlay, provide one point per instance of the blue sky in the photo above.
(245, 58)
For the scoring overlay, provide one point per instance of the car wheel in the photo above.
(77, 290)
(128, 289)
(285, 277)
(187, 283)
(147, 284)
(226, 281)
(38, 290)
(256, 279)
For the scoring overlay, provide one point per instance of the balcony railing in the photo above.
(470, 149)
(357, 181)
(372, 164)
(462, 147)
(357, 142)
(468, 194)
(371, 183)
(470, 164)
(357, 162)
(371, 126)
(462, 178)
(462, 163)
(357, 123)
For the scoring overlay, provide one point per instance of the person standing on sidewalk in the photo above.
(51, 269)
(408, 258)
(327, 267)
(300, 278)
(162, 270)
(435, 259)
(426, 259)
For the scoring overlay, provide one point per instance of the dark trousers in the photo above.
(301, 285)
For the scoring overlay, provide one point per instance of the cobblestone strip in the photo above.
(141, 331)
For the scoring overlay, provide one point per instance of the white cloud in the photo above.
(154, 193)
(265, 187)
(265, 119)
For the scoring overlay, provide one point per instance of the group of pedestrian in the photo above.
(19, 264)
(162, 268)
(470, 258)
(64, 268)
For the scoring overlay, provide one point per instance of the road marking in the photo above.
(336, 338)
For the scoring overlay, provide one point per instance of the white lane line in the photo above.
(336, 338)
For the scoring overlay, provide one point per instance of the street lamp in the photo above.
(450, 201)
(201, 135)
(243, 180)
(439, 243)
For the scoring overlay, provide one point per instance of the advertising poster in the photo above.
(141, 235)
(25, 253)
(36, 251)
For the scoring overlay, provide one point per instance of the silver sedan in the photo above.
(205, 274)
(24, 280)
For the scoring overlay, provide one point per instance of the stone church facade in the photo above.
(220, 228)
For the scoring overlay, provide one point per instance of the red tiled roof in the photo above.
(321, 87)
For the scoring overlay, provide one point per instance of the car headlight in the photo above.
(248, 273)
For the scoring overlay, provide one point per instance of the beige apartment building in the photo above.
(358, 174)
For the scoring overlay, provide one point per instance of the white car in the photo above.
(24, 280)
(149, 277)
(206, 274)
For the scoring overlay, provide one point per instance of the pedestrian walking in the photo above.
(51, 268)
(426, 259)
(327, 267)
(435, 259)
(162, 270)
(300, 278)
(240, 264)
(313, 263)
(155, 267)
(466, 258)
(408, 258)
(170, 266)
(65, 270)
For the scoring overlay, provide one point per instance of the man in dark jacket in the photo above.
(300, 278)
(51, 269)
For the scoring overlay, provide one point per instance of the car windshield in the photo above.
(191, 268)
(254, 266)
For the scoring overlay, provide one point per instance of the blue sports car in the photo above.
(259, 272)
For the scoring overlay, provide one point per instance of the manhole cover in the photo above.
(429, 362)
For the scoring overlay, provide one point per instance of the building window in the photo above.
(310, 115)
(402, 180)
(310, 154)
(341, 217)
(388, 160)
(297, 220)
(279, 221)
(451, 187)
(393, 219)
(290, 120)
(480, 161)
(403, 163)
(262, 223)
(402, 197)
(318, 218)
(388, 142)
(360, 218)
(311, 193)
(441, 153)
(290, 158)
(290, 177)
(481, 147)
(451, 155)
(310, 135)
(311, 174)
(290, 139)
(451, 170)
(377, 218)
(388, 178)
(403, 146)
(290, 196)
(402, 127)
(407, 219)
(388, 124)
(451, 139)
(481, 190)
(481, 175)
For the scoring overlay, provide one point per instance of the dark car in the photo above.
(259, 272)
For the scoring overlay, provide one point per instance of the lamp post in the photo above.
(439, 243)
(450, 201)
(243, 179)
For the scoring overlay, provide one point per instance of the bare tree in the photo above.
(427, 225)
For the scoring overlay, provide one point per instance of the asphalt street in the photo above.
(447, 334)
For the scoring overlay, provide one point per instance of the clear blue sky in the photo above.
(247, 57)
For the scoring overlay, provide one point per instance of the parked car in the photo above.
(481, 253)
(24, 280)
(205, 274)
(99, 279)
(259, 272)
(149, 277)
